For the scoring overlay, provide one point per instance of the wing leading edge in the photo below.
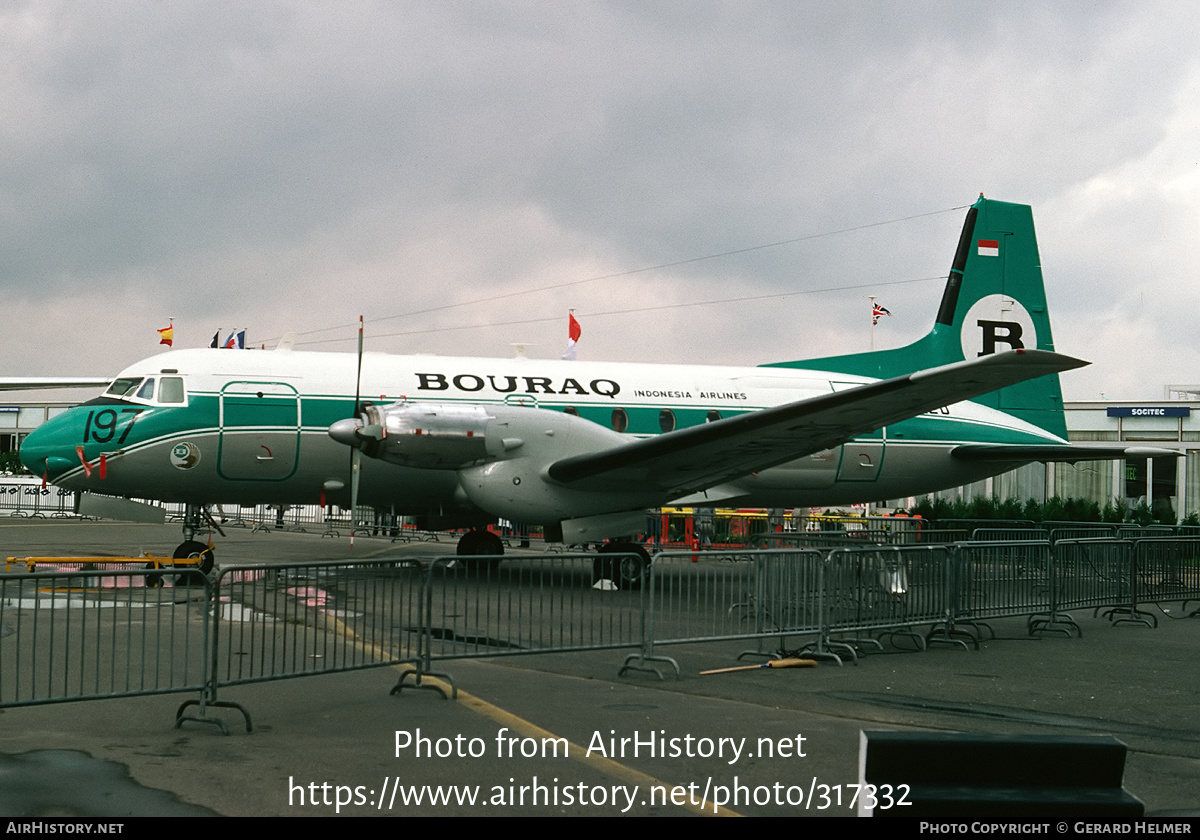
(36, 383)
(692, 459)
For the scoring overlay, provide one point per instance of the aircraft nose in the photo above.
(43, 451)
(33, 454)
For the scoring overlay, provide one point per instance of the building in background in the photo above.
(1165, 424)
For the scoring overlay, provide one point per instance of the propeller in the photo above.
(364, 431)
(356, 451)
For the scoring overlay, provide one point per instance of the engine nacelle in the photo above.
(501, 453)
(438, 436)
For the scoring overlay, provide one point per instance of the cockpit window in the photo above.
(171, 390)
(146, 392)
(124, 386)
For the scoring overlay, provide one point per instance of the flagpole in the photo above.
(873, 319)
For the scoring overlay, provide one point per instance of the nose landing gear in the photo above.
(192, 550)
(196, 517)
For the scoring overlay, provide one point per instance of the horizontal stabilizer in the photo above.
(1064, 453)
(689, 460)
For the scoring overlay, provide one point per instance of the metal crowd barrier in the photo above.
(996, 580)
(727, 595)
(478, 607)
(80, 633)
(275, 622)
(29, 498)
(888, 590)
(1008, 534)
(1081, 532)
(92, 634)
(1168, 569)
(1093, 573)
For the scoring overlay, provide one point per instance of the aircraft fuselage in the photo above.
(253, 427)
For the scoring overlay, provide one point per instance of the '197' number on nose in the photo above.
(102, 425)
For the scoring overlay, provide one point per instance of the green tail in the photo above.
(994, 300)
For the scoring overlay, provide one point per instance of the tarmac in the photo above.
(777, 742)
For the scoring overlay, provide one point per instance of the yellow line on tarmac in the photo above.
(531, 730)
(604, 765)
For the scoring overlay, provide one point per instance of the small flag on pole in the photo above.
(236, 341)
(876, 311)
(167, 334)
(573, 333)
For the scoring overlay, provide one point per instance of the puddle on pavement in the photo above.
(68, 783)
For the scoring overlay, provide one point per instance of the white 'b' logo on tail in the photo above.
(996, 323)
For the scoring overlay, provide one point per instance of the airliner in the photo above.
(584, 449)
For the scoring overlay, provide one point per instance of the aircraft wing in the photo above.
(692, 459)
(36, 383)
(1068, 453)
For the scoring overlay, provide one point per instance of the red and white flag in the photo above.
(573, 333)
(989, 247)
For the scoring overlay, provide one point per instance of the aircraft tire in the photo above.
(154, 579)
(191, 549)
(625, 572)
(481, 543)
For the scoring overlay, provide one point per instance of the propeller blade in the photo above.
(356, 451)
(355, 469)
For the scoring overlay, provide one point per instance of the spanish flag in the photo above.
(167, 334)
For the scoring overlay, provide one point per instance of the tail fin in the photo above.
(994, 300)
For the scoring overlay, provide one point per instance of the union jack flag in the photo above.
(876, 312)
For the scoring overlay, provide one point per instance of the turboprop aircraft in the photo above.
(585, 448)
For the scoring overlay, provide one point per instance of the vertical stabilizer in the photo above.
(994, 300)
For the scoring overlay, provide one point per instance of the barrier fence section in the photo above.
(27, 497)
(478, 607)
(1087, 573)
(889, 588)
(725, 595)
(1168, 569)
(76, 634)
(1000, 580)
(849, 539)
(275, 622)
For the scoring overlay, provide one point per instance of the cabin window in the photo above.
(666, 420)
(620, 420)
(124, 386)
(713, 416)
(146, 392)
(170, 390)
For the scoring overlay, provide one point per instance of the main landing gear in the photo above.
(480, 543)
(628, 571)
(196, 517)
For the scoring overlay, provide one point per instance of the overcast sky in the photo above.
(288, 166)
